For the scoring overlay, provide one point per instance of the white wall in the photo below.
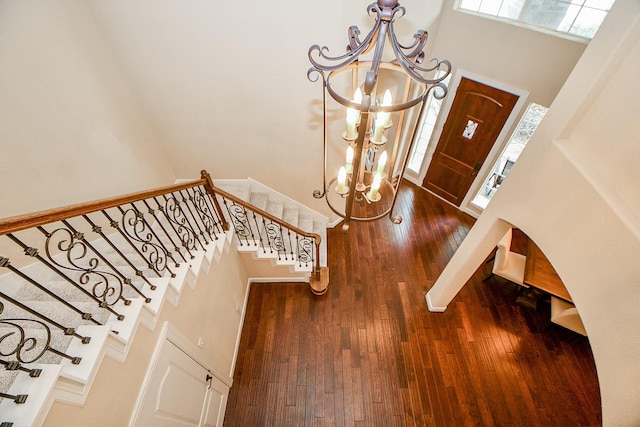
(226, 84)
(514, 56)
(574, 192)
(70, 130)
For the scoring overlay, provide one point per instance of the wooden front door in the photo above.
(475, 120)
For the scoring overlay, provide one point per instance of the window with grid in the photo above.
(580, 18)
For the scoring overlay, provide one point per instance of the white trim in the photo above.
(431, 307)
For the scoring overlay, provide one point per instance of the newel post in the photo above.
(212, 192)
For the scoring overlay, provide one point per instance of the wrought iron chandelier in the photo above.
(373, 150)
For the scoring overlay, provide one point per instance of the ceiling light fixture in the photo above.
(369, 173)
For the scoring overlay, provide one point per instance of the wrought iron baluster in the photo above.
(152, 211)
(305, 248)
(266, 237)
(18, 398)
(216, 212)
(108, 286)
(198, 199)
(214, 209)
(210, 189)
(139, 224)
(179, 232)
(259, 231)
(125, 280)
(185, 201)
(116, 225)
(33, 252)
(291, 244)
(97, 229)
(134, 226)
(14, 365)
(240, 222)
(83, 315)
(178, 217)
(66, 330)
(274, 234)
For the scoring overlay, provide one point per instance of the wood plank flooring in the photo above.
(369, 353)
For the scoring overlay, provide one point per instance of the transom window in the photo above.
(580, 18)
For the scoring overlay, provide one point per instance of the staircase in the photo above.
(77, 282)
(282, 207)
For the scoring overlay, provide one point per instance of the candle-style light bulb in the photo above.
(353, 116)
(382, 118)
(382, 162)
(373, 195)
(341, 188)
(349, 165)
(387, 101)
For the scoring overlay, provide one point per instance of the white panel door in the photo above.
(177, 392)
(216, 403)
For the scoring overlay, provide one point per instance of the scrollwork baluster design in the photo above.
(198, 199)
(240, 222)
(125, 280)
(25, 348)
(274, 238)
(106, 286)
(185, 202)
(17, 272)
(152, 212)
(213, 208)
(98, 230)
(139, 224)
(138, 230)
(179, 232)
(116, 226)
(176, 215)
(305, 250)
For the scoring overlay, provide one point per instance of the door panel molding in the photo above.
(170, 336)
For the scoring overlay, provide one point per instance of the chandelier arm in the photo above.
(354, 50)
(410, 67)
(420, 41)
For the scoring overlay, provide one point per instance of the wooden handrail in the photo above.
(35, 219)
(315, 236)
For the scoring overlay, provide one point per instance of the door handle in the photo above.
(476, 168)
(208, 379)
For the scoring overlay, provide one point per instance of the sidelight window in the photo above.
(528, 124)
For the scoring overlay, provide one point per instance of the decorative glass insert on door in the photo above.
(470, 129)
(528, 124)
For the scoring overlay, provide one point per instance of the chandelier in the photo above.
(379, 104)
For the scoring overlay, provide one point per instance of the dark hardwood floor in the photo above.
(369, 353)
